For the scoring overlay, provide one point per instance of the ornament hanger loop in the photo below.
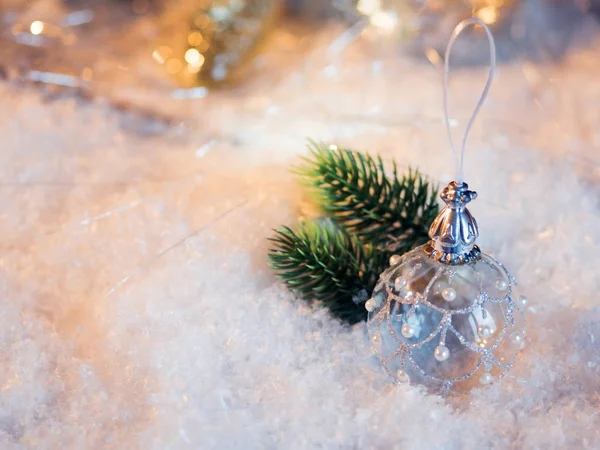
(492, 70)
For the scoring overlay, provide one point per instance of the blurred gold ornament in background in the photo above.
(225, 36)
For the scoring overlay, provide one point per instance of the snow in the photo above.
(138, 309)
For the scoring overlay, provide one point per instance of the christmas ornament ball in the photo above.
(446, 315)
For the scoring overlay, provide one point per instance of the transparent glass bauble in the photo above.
(448, 327)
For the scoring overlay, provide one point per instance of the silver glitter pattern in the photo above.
(404, 306)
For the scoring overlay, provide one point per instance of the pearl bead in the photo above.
(441, 353)
(375, 339)
(370, 304)
(501, 285)
(486, 378)
(400, 283)
(394, 259)
(484, 331)
(409, 296)
(523, 300)
(449, 294)
(516, 338)
(407, 331)
(402, 376)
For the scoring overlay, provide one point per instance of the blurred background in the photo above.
(118, 49)
(202, 66)
(144, 156)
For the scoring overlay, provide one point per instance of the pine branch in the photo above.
(337, 262)
(353, 190)
(324, 263)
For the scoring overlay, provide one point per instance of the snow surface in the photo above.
(138, 309)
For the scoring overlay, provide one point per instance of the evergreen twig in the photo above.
(353, 189)
(337, 261)
(326, 264)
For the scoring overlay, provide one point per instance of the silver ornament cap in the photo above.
(454, 230)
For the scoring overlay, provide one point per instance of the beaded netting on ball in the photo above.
(447, 315)
(449, 327)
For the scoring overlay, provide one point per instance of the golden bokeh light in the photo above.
(193, 69)
(384, 20)
(203, 46)
(193, 57)
(156, 56)
(37, 27)
(488, 15)
(161, 54)
(433, 56)
(368, 7)
(195, 38)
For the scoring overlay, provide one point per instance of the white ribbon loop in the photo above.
(459, 29)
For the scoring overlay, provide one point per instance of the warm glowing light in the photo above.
(193, 57)
(203, 46)
(433, 56)
(368, 7)
(379, 18)
(488, 15)
(195, 38)
(333, 147)
(193, 69)
(174, 66)
(156, 56)
(385, 20)
(161, 54)
(37, 27)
